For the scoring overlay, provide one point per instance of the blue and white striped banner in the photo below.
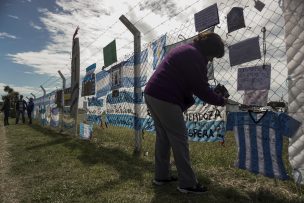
(259, 139)
(54, 117)
(102, 83)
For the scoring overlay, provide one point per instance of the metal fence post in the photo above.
(137, 88)
(62, 97)
(33, 95)
(75, 75)
(44, 93)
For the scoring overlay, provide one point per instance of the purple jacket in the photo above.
(182, 73)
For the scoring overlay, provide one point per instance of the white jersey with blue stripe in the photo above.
(259, 138)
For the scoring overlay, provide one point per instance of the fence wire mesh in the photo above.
(111, 107)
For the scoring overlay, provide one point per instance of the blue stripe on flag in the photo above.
(102, 74)
(158, 47)
(148, 124)
(130, 81)
(206, 131)
(125, 120)
(125, 97)
(94, 119)
(105, 86)
(103, 92)
(143, 58)
(91, 68)
(95, 102)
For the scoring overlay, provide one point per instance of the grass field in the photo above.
(51, 167)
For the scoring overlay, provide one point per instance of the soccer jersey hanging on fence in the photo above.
(259, 138)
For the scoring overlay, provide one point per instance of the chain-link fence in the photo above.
(116, 104)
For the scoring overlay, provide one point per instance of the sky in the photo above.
(36, 35)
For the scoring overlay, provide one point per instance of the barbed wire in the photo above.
(130, 42)
(99, 36)
(186, 30)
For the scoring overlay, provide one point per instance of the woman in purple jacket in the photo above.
(168, 93)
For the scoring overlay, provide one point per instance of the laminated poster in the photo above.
(254, 78)
(244, 51)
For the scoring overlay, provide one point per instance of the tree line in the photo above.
(13, 97)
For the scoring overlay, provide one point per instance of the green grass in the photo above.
(60, 168)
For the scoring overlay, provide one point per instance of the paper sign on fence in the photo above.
(206, 18)
(256, 97)
(244, 51)
(254, 78)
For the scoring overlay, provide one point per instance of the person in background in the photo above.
(30, 108)
(6, 109)
(20, 109)
(168, 93)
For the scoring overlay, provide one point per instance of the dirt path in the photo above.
(8, 185)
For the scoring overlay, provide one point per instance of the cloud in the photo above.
(99, 24)
(15, 17)
(6, 35)
(162, 7)
(61, 26)
(35, 26)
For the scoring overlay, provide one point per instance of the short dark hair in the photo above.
(211, 44)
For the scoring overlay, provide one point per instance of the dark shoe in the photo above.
(194, 190)
(162, 182)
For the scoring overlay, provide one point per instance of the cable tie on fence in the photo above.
(182, 37)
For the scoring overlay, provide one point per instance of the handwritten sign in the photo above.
(205, 123)
(254, 78)
(244, 51)
(206, 18)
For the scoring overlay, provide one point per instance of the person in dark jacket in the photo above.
(30, 108)
(168, 93)
(6, 109)
(20, 109)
